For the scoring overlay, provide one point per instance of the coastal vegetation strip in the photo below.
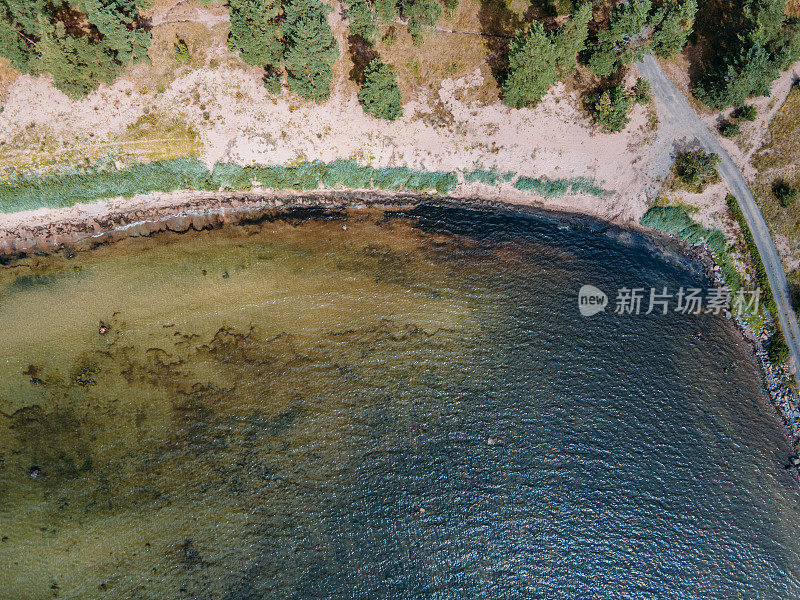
(676, 221)
(752, 250)
(551, 188)
(30, 191)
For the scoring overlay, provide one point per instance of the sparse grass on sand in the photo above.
(151, 138)
(779, 159)
(456, 54)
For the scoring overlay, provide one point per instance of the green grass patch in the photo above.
(489, 177)
(31, 191)
(58, 189)
(339, 173)
(552, 188)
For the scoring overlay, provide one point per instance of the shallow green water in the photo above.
(405, 407)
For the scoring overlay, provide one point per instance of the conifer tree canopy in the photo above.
(754, 46)
(310, 49)
(386, 10)
(35, 39)
(255, 32)
(623, 42)
(362, 20)
(421, 14)
(380, 93)
(537, 59)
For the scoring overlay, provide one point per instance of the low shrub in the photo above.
(696, 169)
(231, 176)
(746, 112)
(181, 51)
(730, 129)
(272, 81)
(610, 108)
(348, 174)
(551, 188)
(752, 249)
(777, 349)
(642, 92)
(585, 185)
(490, 177)
(675, 220)
(785, 193)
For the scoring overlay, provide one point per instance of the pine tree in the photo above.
(362, 20)
(671, 24)
(115, 20)
(421, 14)
(571, 38)
(386, 11)
(622, 42)
(749, 73)
(759, 42)
(19, 31)
(533, 62)
(380, 94)
(610, 109)
(34, 38)
(77, 64)
(310, 49)
(536, 59)
(255, 32)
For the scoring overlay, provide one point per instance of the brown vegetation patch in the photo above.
(7, 77)
(456, 55)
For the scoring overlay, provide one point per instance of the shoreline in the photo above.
(48, 230)
(44, 232)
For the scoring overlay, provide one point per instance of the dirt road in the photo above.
(679, 118)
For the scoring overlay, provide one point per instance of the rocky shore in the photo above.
(79, 227)
(784, 397)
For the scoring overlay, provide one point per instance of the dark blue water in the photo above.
(470, 435)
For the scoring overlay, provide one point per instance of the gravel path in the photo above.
(678, 118)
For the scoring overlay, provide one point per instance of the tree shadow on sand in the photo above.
(498, 24)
